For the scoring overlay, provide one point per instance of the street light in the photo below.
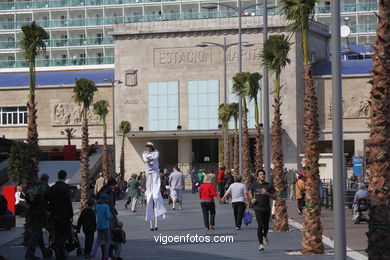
(113, 81)
(224, 47)
(267, 145)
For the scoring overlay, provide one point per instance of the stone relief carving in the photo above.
(70, 114)
(354, 106)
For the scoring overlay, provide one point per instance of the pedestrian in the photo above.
(238, 192)
(154, 201)
(87, 221)
(142, 180)
(103, 215)
(300, 192)
(133, 188)
(61, 212)
(200, 177)
(37, 201)
(194, 180)
(100, 182)
(221, 179)
(164, 183)
(260, 193)
(291, 180)
(177, 186)
(118, 237)
(207, 193)
(228, 180)
(20, 202)
(354, 182)
(213, 179)
(108, 189)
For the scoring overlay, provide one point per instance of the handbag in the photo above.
(247, 218)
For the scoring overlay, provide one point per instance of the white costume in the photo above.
(154, 201)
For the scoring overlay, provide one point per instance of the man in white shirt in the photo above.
(177, 184)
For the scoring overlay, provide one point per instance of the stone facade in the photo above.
(166, 51)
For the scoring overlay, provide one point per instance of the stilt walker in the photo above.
(154, 201)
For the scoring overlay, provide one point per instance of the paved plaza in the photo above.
(141, 242)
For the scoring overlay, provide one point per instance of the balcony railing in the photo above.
(64, 43)
(124, 19)
(324, 9)
(58, 62)
(363, 28)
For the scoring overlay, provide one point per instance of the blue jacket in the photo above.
(102, 212)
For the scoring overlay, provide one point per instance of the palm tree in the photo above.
(233, 107)
(125, 128)
(100, 108)
(69, 132)
(275, 57)
(253, 91)
(300, 12)
(83, 93)
(224, 115)
(240, 83)
(379, 142)
(31, 45)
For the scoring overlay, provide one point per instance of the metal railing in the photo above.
(327, 198)
(324, 9)
(58, 62)
(63, 42)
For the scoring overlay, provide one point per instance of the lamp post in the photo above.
(225, 47)
(113, 81)
(240, 10)
(337, 133)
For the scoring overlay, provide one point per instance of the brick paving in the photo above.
(141, 243)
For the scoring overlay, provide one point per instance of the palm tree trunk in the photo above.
(246, 152)
(84, 162)
(281, 219)
(122, 159)
(312, 233)
(221, 149)
(236, 152)
(32, 132)
(259, 149)
(379, 142)
(226, 150)
(105, 169)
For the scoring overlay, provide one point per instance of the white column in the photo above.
(185, 157)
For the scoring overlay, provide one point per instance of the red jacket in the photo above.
(207, 191)
(221, 175)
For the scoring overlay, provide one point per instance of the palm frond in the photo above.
(125, 127)
(83, 92)
(33, 42)
(253, 85)
(239, 84)
(224, 114)
(299, 12)
(100, 108)
(275, 53)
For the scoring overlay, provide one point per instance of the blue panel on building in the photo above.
(357, 163)
(55, 78)
(348, 67)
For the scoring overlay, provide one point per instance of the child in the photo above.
(118, 238)
(102, 211)
(87, 220)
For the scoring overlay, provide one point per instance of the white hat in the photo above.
(149, 144)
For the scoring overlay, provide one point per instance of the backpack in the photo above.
(118, 235)
(33, 194)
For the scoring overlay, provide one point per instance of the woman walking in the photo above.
(102, 211)
(238, 192)
(207, 193)
(133, 187)
(300, 192)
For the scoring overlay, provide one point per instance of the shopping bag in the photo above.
(248, 216)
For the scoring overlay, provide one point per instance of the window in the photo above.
(250, 106)
(203, 102)
(13, 116)
(163, 104)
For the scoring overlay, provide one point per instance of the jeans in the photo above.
(89, 236)
(208, 210)
(36, 236)
(194, 187)
(262, 218)
(238, 210)
(221, 189)
(100, 234)
(62, 232)
(117, 248)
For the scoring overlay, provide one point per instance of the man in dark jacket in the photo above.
(61, 211)
(37, 214)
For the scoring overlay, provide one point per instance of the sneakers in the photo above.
(266, 241)
(261, 247)
(173, 209)
(238, 228)
(299, 211)
(181, 208)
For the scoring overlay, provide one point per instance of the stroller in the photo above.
(73, 243)
(362, 205)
